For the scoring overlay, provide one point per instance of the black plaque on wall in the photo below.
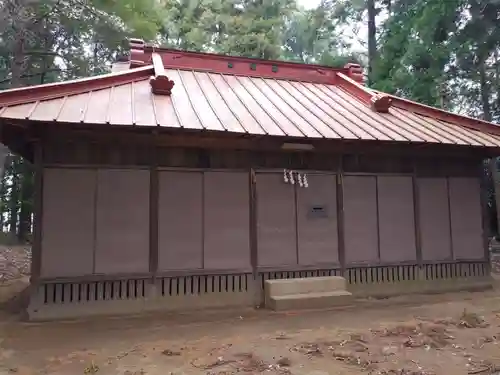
(317, 211)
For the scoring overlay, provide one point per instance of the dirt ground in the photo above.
(446, 334)
(450, 334)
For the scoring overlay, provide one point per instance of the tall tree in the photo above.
(417, 45)
(315, 35)
(372, 38)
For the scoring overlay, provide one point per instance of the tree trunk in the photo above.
(497, 84)
(372, 38)
(26, 198)
(4, 193)
(14, 204)
(18, 66)
(485, 91)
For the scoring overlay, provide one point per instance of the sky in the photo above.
(308, 4)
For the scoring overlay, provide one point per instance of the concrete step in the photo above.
(305, 301)
(323, 284)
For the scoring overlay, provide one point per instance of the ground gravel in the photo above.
(14, 262)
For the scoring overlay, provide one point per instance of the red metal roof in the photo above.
(293, 100)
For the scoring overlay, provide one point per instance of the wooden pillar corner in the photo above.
(36, 248)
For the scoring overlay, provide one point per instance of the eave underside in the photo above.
(21, 136)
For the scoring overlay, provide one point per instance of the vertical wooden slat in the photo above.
(75, 292)
(36, 260)
(100, 290)
(116, 290)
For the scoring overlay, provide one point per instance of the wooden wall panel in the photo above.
(226, 220)
(434, 218)
(180, 221)
(466, 218)
(317, 220)
(360, 219)
(122, 221)
(276, 229)
(68, 222)
(396, 219)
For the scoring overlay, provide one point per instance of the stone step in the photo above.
(305, 301)
(283, 287)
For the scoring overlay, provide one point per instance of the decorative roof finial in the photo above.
(136, 51)
(355, 72)
(160, 83)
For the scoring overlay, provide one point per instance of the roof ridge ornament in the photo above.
(136, 52)
(355, 71)
(381, 103)
(378, 102)
(160, 83)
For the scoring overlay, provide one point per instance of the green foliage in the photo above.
(417, 43)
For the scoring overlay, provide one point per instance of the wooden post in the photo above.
(416, 212)
(495, 175)
(36, 249)
(253, 220)
(258, 291)
(153, 211)
(450, 229)
(340, 220)
(378, 218)
(484, 208)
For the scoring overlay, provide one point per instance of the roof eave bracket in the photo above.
(160, 83)
(376, 101)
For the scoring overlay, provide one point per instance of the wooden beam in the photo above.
(218, 140)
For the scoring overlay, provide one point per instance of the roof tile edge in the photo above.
(446, 116)
(56, 90)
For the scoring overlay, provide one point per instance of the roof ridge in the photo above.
(141, 54)
(29, 94)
